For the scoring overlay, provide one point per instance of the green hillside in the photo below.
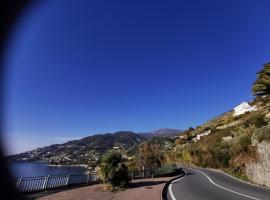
(228, 142)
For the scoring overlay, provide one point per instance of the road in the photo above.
(206, 184)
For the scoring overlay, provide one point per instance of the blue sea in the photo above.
(32, 169)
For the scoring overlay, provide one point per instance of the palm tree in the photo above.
(261, 86)
(113, 169)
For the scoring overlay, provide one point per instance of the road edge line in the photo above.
(253, 184)
(211, 181)
(170, 187)
(165, 187)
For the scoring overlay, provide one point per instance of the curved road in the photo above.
(206, 184)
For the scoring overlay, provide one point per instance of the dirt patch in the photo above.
(143, 189)
(149, 188)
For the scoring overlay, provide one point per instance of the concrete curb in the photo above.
(164, 190)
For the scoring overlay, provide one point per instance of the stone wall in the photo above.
(259, 172)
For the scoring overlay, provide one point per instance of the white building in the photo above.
(182, 137)
(244, 107)
(203, 134)
(198, 137)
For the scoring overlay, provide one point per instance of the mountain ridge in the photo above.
(162, 132)
(88, 150)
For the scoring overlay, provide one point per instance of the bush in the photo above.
(150, 156)
(186, 156)
(262, 133)
(221, 154)
(241, 144)
(256, 120)
(113, 169)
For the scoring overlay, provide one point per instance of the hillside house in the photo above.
(198, 137)
(203, 134)
(243, 108)
(183, 137)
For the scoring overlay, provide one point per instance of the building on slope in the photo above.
(198, 137)
(243, 108)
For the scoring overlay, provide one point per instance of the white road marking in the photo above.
(252, 184)
(170, 187)
(226, 188)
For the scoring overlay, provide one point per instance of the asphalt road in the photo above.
(205, 184)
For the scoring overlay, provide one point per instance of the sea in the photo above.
(33, 169)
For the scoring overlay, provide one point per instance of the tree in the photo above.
(262, 85)
(113, 169)
(150, 156)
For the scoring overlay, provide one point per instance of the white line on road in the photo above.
(170, 187)
(252, 184)
(226, 188)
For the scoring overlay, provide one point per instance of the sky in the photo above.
(77, 68)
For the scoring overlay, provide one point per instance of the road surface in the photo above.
(206, 184)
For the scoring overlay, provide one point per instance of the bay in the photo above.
(33, 169)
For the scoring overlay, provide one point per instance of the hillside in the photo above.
(238, 144)
(84, 151)
(88, 150)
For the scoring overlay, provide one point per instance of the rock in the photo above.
(267, 115)
(234, 123)
(259, 172)
(227, 139)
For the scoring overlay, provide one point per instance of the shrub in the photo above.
(113, 169)
(262, 133)
(221, 155)
(150, 156)
(256, 120)
(186, 156)
(241, 144)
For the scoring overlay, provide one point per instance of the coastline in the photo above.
(73, 165)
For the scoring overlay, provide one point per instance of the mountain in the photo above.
(163, 132)
(87, 150)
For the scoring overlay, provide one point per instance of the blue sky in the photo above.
(76, 68)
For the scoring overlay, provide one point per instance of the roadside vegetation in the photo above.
(229, 146)
(113, 170)
(232, 142)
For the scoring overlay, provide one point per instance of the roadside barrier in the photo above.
(34, 184)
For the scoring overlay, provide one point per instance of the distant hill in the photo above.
(163, 132)
(87, 150)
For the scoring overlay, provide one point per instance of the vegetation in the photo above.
(211, 151)
(150, 156)
(86, 151)
(230, 146)
(161, 152)
(262, 85)
(256, 120)
(113, 169)
(262, 133)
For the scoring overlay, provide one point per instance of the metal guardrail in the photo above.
(167, 168)
(35, 184)
(41, 183)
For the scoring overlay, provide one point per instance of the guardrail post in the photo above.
(19, 183)
(67, 179)
(89, 179)
(45, 183)
(93, 177)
